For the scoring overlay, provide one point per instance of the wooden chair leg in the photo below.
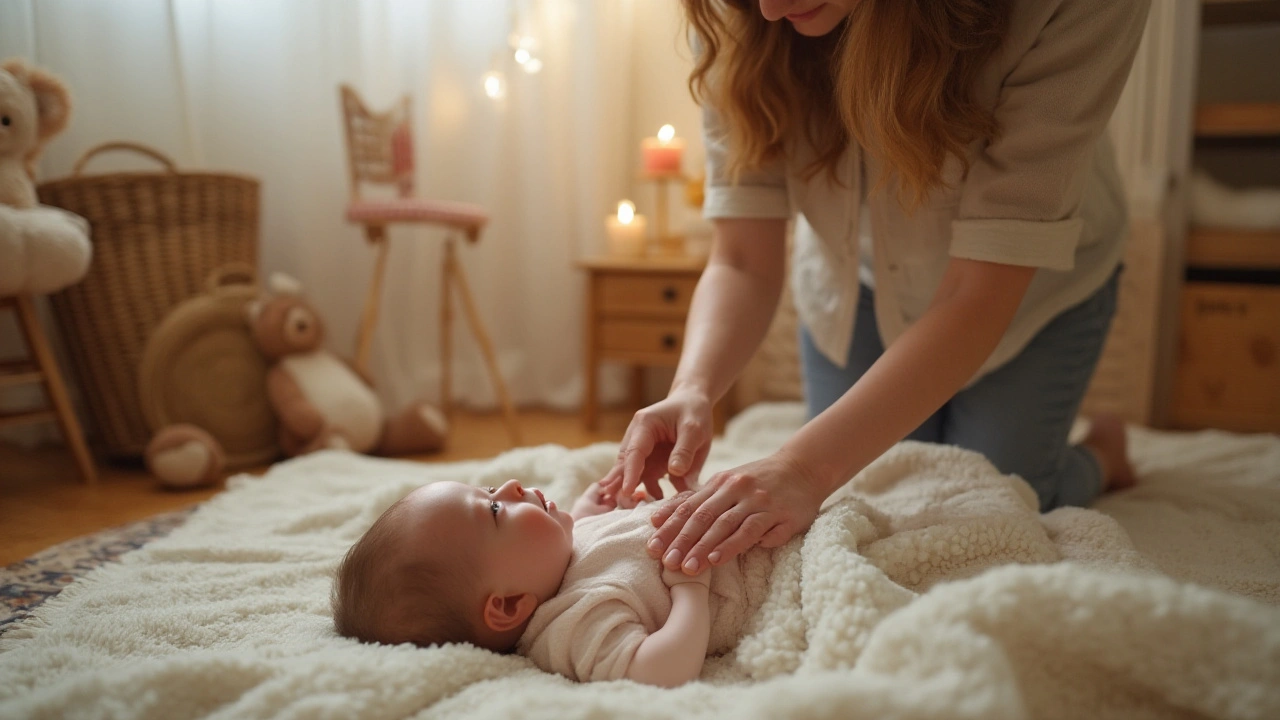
(446, 327)
(55, 389)
(377, 236)
(486, 348)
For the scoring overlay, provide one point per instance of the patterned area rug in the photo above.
(26, 584)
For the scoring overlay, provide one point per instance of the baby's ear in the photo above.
(502, 614)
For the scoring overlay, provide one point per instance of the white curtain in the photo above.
(250, 86)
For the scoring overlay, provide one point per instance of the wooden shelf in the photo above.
(1238, 120)
(26, 417)
(1232, 248)
(645, 264)
(1232, 12)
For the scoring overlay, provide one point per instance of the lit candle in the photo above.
(626, 231)
(661, 155)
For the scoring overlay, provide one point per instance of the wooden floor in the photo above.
(43, 502)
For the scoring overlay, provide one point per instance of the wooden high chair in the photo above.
(380, 151)
(42, 367)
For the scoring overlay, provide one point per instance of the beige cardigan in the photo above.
(1045, 193)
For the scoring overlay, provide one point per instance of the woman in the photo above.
(959, 232)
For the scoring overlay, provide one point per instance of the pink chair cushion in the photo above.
(400, 210)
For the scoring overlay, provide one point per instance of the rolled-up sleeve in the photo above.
(758, 193)
(1020, 201)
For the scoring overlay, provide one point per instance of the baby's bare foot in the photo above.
(1107, 440)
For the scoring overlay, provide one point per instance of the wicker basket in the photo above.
(156, 238)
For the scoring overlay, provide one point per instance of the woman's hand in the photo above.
(672, 578)
(766, 501)
(671, 437)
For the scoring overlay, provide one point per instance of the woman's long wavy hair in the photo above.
(898, 78)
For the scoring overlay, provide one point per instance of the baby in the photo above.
(505, 569)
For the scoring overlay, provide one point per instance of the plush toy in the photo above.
(42, 249)
(34, 106)
(319, 400)
(184, 456)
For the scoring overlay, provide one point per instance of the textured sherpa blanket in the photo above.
(928, 588)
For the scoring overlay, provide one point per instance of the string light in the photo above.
(522, 42)
(495, 84)
(522, 48)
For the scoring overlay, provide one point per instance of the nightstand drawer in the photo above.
(636, 310)
(645, 341)
(663, 295)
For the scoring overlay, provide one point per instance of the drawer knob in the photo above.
(669, 341)
(669, 294)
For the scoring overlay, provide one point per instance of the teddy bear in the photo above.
(319, 400)
(42, 249)
(34, 106)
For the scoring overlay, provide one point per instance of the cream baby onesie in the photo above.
(613, 597)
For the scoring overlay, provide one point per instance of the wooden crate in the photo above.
(1228, 373)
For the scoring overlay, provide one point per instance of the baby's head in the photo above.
(454, 563)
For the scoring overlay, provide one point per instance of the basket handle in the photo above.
(233, 273)
(156, 155)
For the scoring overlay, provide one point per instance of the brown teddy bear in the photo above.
(319, 400)
(34, 106)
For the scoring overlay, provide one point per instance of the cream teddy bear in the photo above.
(34, 106)
(42, 249)
(319, 400)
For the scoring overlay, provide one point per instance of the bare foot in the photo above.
(1107, 440)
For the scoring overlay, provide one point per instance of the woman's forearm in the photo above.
(733, 304)
(919, 373)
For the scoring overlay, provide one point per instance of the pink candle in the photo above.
(661, 155)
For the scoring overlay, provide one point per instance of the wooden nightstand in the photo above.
(636, 309)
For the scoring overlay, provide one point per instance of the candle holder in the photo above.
(666, 242)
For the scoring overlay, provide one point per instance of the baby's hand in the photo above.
(611, 485)
(671, 578)
(595, 500)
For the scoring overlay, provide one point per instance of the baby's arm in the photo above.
(674, 654)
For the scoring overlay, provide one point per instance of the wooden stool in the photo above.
(380, 151)
(43, 370)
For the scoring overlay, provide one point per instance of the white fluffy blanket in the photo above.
(929, 589)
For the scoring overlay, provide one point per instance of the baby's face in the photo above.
(520, 541)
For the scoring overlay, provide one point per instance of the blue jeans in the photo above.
(1019, 415)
